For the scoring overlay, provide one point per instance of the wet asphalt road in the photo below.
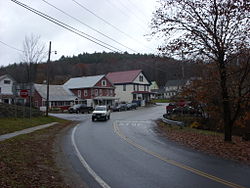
(127, 151)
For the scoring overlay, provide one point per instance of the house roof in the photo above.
(56, 92)
(6, 76)
(83, 82)
(176, 83)
(123, 77)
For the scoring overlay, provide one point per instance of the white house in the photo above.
(173, 87)
(154, 88)
(130, 86)
(6, 89)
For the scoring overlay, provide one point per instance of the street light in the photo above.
(47, 100)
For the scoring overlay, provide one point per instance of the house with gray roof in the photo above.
(93, 90)
(59, 96)
(173, 87)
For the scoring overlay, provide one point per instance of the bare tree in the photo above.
(33, 53)
(214, 30)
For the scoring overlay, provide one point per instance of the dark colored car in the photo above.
(170, 107)
(119, 107)
(80, 108)
(132, 106)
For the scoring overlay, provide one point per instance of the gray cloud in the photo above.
(130, 16)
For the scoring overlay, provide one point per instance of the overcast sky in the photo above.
(131, 19)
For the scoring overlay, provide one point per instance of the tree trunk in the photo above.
(225, 102)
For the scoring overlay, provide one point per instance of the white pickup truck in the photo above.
(101, 112)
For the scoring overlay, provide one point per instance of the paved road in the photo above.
(126, 151)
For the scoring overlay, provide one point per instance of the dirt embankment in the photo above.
(36, 160)
(208, 142)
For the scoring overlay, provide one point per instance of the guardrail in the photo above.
(172, 122)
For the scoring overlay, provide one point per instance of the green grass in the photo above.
(8, 125)
(162, 101)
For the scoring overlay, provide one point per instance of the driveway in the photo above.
(126, 151)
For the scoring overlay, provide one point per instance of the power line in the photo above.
(124, 12)
(139, 10)
(129, 9)
(88, 26)
(66, 26)
(116, 28)
(11, 47)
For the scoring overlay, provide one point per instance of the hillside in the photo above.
(155, 67)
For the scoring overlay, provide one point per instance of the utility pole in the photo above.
(182, 65)
(47, 100)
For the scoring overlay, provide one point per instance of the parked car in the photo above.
(170, 107)
(132, 106)
(119, 107)
(101, 112)
(80, 108)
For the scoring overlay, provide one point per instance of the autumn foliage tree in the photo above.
(205, 90)
(213, 30)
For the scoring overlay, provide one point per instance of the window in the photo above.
(134, 96)
(141, 78)
(6, 81)
(85, 93)
(137, 87)
(100, 92)
(134, 87)
(96, 92)
(36, 103)
(0, 89)
(79, 93)
(145, 88)
(124, 87)
(111, 92)
(104, 83)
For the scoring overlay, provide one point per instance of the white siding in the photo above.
(6, 89)
(137, 80)
(125, 96)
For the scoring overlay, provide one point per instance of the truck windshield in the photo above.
(100, 108)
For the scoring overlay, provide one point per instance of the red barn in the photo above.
(94, 90)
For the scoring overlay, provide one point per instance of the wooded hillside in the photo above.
(155, 67)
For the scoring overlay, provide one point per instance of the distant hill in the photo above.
(155, 67)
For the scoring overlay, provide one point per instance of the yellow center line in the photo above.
(175, 163)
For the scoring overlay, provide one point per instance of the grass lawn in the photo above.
(29, 160)
(8, 125)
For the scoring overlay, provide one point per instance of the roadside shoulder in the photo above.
(71, 178)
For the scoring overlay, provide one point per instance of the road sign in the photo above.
(24, 93)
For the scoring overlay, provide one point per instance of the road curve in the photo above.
(126, 151)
